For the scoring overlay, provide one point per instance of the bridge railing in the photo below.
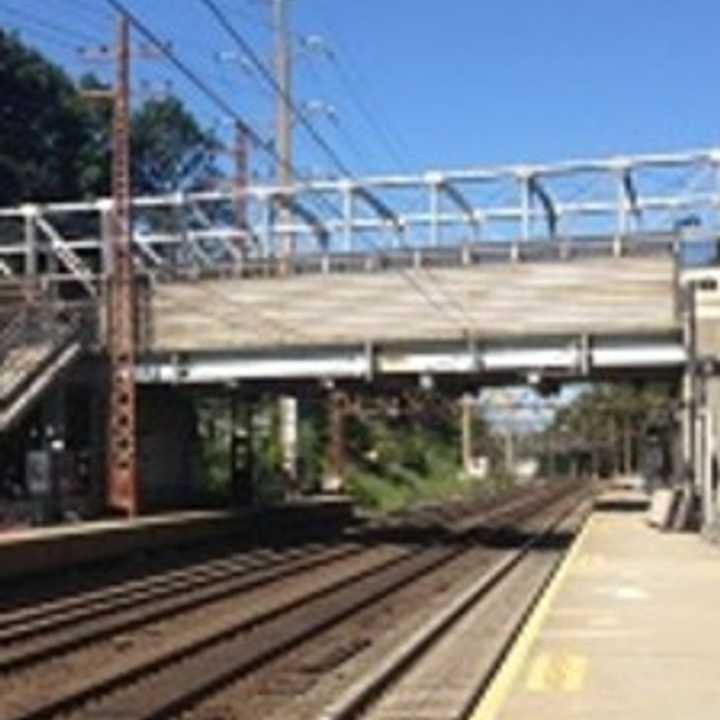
(520, 212)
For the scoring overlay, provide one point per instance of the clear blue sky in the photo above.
(454, 83)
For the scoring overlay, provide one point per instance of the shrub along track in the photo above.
(177, 646)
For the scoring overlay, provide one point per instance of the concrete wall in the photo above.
(596, 295)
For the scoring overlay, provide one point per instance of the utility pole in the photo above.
(283, 114)
(122, 483)
(284, 149)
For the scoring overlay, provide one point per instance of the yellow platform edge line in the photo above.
(504, 681)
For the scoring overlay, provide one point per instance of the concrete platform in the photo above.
(618, 499)
(629, 629)
(42, 550)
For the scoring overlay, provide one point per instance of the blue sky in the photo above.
(453, 84)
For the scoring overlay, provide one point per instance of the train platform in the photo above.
(628, 629)
(42, 550)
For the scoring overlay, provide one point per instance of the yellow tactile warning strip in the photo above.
(575, 667)
(557, 672)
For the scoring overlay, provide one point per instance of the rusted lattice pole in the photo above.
(122, 481)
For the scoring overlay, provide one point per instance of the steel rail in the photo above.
(379, 682)
(275, 630)
(48, 618)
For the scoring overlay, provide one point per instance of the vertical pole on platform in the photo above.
(288, 409)
(690, 389)
(283, 116)
(338, 455)
(466, 432)
(122, 471)
(709, 500)
(627, 445)
(284, 147)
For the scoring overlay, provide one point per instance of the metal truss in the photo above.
(617, 199)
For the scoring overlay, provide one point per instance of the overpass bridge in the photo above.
(568, 268)
(578, 317)
(463, 278)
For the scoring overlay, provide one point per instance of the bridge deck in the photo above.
(599, 295)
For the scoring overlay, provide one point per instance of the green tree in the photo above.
(55, 144)
(611, 418)
(44, 127)
(169, 149)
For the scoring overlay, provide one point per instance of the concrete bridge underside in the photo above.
(575, 317)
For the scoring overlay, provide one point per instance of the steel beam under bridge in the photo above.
(562, 358)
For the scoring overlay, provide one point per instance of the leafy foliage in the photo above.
(410, 458)
(55, 144)
(590, 412)
(45, 125)
(170, 151)
(610, 418)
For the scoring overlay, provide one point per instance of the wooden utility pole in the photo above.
(284, 152)
(283, 115)
(122, 478)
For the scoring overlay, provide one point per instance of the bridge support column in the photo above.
(288, 410)
(334, 481)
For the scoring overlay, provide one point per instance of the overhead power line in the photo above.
(48, 25)
(260, 66)
(189, 74)
(247, 48)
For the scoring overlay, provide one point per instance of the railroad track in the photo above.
(38, 633)
(429, 675)
(172, 676)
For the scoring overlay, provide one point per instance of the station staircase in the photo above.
(39, 341)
